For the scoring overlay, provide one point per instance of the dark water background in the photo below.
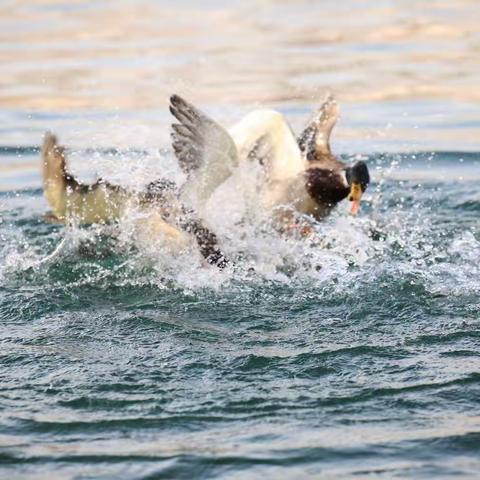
(115, 364)
(354, 354)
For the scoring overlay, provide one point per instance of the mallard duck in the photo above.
(161, 212)
(300, 174)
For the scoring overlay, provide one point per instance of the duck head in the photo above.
(358, 179)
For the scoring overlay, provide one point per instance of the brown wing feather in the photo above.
(314, 141)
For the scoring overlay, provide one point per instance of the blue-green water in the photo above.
(352, 354)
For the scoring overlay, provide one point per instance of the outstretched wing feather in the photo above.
(314, 141)
(203, 148)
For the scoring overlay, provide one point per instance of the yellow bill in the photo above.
(354, 196)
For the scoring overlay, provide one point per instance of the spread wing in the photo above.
(203, 148)
(314, 141)
(265, 136)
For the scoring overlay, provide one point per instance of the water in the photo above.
(354, 354)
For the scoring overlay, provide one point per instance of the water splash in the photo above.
(399, 228)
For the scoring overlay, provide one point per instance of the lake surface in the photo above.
(353, 354)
